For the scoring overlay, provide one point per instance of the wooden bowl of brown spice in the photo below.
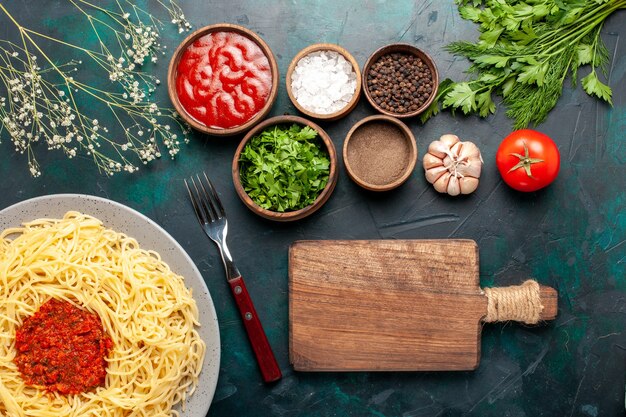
(379, 153)
(400, 80)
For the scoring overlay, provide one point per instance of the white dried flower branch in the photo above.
(42, 99)
(177, 15)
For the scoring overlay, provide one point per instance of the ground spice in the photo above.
(378, 153)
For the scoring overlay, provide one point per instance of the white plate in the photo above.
(150, 236)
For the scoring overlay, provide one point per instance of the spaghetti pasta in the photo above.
(144, 307)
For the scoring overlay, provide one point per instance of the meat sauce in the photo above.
(223, 80)
(62, 348)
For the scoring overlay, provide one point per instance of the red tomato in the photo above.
(528, 160)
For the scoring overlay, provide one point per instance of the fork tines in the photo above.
(206, 203)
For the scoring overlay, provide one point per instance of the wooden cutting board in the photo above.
(386, 305)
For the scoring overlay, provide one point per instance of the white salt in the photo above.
(323, 82)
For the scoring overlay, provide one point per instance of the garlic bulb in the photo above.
(453, 166)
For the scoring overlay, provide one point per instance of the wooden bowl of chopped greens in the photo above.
(285, 168)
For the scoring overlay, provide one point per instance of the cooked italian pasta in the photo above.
(145, 308)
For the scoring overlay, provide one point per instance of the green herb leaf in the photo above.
(507, 87)
(470, 13)
(284, 169)
(488, 39)
(524, 36)
(584, 54)
(488, 19)
(497, 61)
(433, 109)
(461, 96)
(533, 74)
(592, 85)
(571, 15)
(486, 105)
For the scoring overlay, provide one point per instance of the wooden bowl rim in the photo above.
(401, 47)
(321, 198)
(355, 66)
(171, 78)
(408, 135)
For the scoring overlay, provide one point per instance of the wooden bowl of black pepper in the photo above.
(400, 80)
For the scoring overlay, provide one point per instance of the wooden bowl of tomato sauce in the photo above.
(223, 79)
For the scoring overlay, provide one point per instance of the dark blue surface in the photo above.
(570, 236)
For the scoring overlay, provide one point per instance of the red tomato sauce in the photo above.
(62, 348)
(223, 79)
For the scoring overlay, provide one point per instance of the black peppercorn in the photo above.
(400, 82)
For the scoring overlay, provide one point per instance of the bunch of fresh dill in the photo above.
(525, 51)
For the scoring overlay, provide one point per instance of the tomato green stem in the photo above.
(525, 161)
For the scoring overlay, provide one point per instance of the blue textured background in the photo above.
(570, 235)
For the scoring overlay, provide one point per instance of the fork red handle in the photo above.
(261, 347)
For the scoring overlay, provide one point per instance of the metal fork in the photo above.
(212, 218)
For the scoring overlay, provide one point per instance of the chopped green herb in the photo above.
(525, 51)
(284, 169)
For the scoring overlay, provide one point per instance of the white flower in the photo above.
(41, 109)
(34, 171)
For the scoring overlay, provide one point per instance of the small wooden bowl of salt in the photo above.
(324, 81)
(379, 153)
